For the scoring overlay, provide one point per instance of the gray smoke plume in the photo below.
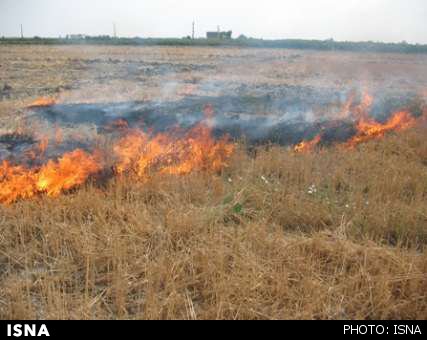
(286, 117)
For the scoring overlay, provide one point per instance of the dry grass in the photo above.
(332, 234)
(251, 242)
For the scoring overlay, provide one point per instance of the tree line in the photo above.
(242, 41)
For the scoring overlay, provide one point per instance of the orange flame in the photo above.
(41, 102)
(361, 110)
(42, 147)
(39, 150)
(307, 146)
(368, 129)
(69, 171)
(345, 109)
(16, 182)
(19, 182)
(142, 155)
(137, 153)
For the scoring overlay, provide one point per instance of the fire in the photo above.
(43, 101)
(39, 151)
(348, 109)
(361, 111)
(307, 146)
(16, 182)
(368, 129)
(345, 109)
(141, 154)
(135, 153)
(71, 170)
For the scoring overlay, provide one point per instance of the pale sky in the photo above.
(378, 20)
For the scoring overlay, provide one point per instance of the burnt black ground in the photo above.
(284, 116)
(282, 119)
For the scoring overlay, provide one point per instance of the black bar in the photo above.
(281, 329)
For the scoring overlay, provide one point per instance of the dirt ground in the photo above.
(329, 234)
(76, 74)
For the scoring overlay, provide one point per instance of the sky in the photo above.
(355, 20)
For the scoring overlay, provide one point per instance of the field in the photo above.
(332, 233)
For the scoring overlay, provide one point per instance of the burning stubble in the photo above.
(332, 231)
(136, 153)
(177, 149)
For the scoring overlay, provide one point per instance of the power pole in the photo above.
(193, 30)
(22, 32)
(114, 30)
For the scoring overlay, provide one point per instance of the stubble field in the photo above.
(333, 233)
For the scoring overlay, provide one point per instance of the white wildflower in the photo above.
(312, 189)
(265, 180)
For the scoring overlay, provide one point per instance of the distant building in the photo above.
(219, 35)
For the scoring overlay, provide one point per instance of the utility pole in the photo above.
(193, 30)
(22, 32)
(114, 30)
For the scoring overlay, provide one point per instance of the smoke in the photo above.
(151, 93)
(285, 117)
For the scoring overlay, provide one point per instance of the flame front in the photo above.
(136, 153)
(16, 182)
(71, 170)
(307, 146)
(368, 129)
(41, 102)
(140, 154)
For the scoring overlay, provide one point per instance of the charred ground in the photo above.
(332, 233)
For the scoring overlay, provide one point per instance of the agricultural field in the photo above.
(212, 183)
